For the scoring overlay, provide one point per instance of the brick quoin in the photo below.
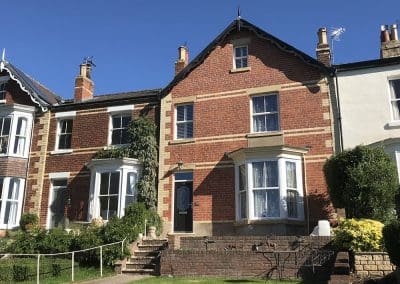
(222, 107)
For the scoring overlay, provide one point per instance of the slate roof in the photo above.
(38, 93)
(367, 64)
(244, 25)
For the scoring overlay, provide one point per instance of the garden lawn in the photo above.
(52, 271)
(179, 280)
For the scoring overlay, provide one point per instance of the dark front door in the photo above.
(183, 215)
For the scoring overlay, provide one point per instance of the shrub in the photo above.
(55, 241)
(28, 221)
(136, 214)
(88, 238)
(20, 272)
(363, 181)
(391, 238)
(55, 269)
(115, 230)
(358, 235)
(27, 241)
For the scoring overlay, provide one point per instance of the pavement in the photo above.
(117, 279)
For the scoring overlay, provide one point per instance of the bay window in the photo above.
(11, 194)
(15, 128)
(268, 183)
(113, 186)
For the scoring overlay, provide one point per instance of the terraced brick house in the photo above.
(245, 128)
(24, 112)
(369, 96)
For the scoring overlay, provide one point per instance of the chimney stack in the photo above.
(323, 50)
(183, 59)
(84, 86)
(390, 44)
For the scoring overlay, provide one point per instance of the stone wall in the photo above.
(372, 264)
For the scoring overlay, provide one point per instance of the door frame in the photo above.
(173, 201)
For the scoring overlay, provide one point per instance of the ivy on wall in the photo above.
(143, 146)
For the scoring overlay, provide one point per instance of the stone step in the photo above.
(142, 253)
(140, 266)
(159, 242)
(341, 269)
(142, 260)
(152, 247)
(139, 271)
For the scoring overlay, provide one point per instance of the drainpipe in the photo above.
(339, 119)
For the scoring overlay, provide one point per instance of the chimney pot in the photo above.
(385, 37)
(393, 33)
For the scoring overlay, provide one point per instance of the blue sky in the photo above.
(134, 42)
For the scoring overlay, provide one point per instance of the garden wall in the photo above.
(240, 257)
(371, 264)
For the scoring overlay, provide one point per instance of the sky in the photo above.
(134, 42)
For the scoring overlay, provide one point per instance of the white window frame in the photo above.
(281, 160)
(124, 110)
(110, 127)
(3, 82)
(391, 100)
(59, 129)
(6, 188)
(53, 177)
(264, 113)
(240, 57)
(61, 116)
(183, 122)
(125, 167)
(15, 112)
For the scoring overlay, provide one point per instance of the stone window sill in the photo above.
(239, 70)
(182, 141)
(393, 124)
(61, 152)
(264, 134)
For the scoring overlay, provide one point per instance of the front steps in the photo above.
(145, 257)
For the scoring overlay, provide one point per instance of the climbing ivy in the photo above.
(143, 146)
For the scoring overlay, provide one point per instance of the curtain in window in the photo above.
(273, 203)
(130, 189)
(109, 186)
(5, 124)
(259, 203)
(243, 202)
(395, 96)
(271, 171)
(291, 175)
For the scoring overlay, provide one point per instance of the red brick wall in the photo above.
(299, 108)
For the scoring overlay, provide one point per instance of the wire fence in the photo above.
(21, 267)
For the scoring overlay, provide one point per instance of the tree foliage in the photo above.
(363, 181)
(142, 146)
(391, 238)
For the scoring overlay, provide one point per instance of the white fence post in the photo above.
(73, 269)
(122, 247)
(101, 261)
(38, 269)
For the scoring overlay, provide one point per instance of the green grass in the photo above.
(181, 280)
(47, 270)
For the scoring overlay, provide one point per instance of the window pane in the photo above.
(243, 202)
(273, 203)
(125, 121)
(244, 62)
(113, 206)
(395, 84)
(271, 173)
(63, 126)
(258, 175)
(259, 123)
(104, 207)
(6, 126)
(244, 51)
(116, 121)
(114, 183)
(189, 112)
(124, 136)
(292, 198)
(238, 63)
(19, 145)
(116, 137)
(184, 176)
(65, 141)
(396, 109)
(189, 130)
(291, 181)
(104, 181)
(238, 52)
(10, 215)
(1, 188)
(69, 126)
(242, 177)
(272, 122)
(129, 200)
(271, 103)
(180, 130)
(131, 184)
(259, 203)
(60, 182)
(180, 113)
(258, 104)
(13, 190)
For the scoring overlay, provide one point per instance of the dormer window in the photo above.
(240, 57)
